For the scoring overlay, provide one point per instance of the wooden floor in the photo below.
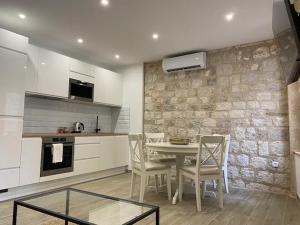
(240, 207)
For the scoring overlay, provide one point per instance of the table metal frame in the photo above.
(22, 202)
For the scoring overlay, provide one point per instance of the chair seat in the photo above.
(150, 166)
(204, 170)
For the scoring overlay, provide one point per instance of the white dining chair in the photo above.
(211, 148)
(144, 168)
(225, 163)
(154, 156)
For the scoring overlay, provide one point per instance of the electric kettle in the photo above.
(79, 127)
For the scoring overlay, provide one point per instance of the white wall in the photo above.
(133, 94)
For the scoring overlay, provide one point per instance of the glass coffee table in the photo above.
(82, 207)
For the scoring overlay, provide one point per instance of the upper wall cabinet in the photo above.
(82, 67)
(13, 41)
(108, 87)
(47, 72)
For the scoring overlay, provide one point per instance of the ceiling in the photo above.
(125, 27)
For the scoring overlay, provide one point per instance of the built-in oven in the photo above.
(81, 91)
(48, 167)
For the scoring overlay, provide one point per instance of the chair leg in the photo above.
(220, 193)
(198, 194)
(214, 184)
(225, 177)
(180, 190)
(203, 189)
(162, 178)
(169, 186)
(142, 188)
(133, 178)
(156, 183)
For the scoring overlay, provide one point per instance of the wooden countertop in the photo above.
(30, 135)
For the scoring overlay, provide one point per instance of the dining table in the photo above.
(179, 151)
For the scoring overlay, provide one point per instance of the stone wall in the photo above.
(243, 93)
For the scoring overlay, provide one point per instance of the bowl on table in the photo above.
(179, 141)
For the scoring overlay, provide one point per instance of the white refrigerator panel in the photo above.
(12, 85)
(10, 141)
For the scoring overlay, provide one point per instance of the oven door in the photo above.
(82, 91)
(48, 168)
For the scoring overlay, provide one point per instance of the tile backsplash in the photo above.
(44, 115)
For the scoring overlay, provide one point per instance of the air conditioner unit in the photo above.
(185, 62)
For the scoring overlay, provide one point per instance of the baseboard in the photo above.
(18, 192)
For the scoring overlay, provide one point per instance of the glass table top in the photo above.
(87, 207)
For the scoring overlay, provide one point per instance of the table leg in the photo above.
(179, 164)
(157, 217)
(15, 212)
(67, 206)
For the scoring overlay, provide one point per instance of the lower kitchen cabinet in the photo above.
(30, 161)
(86, 166)
(114, 152)
(297, 166)
(9, 178)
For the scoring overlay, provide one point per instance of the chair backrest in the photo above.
(136, 151)
(154, 137)
(211, 148)
(227, 147)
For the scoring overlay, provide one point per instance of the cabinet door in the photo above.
(12, 77)
(108, 87)
(53, 76)
(121, 150)
(86, 166)
(31, 78)
(107, 157)
(9, 178)
(30, 161)
(13, 41)
(10, 142)
(82, 67)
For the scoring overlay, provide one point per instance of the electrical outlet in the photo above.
(275, 164)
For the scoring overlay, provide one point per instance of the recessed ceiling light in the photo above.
(117, 56)
(155, 36)
(22, 16)
(80, 40)
(229, 17)
(43, 63)
(104, 2)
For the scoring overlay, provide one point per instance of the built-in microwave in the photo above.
(82, 91)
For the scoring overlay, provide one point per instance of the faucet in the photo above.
(97, 126)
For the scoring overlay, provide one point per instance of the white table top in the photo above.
(167, 147)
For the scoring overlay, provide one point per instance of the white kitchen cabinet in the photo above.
(53, 74)
(108, 87)
(31, 79)
(297, 167)
(30, 161)
(13, 41)
(87, 140)
(12, 77)
(10, 141)
(87, 151)
(9, 178)
(107, 158)
(82, 67)
(86, 166)
(121, 149)
(114, 152)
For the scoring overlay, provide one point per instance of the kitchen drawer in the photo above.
(9, 178)
(87, 151)
(87, 140)
(86, 166)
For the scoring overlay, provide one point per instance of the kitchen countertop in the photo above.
(30, 135)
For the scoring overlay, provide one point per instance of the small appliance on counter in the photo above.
(97, 126)
(79, 127)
